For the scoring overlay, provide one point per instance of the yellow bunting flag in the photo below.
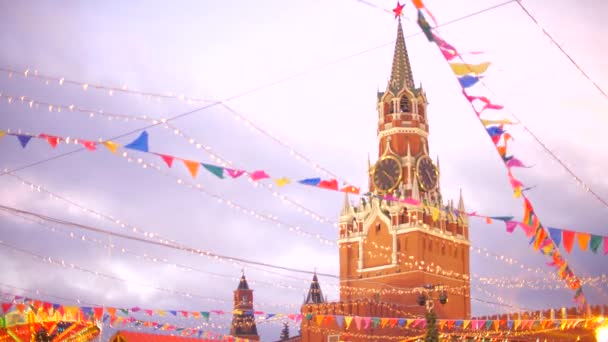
(583, 240)
(435, 212)
(2, 134)
(348, 319)
(192, 167)
(160, 312)
(110, 145)
(516, 324)
(517, 192)
(496, 122)
(282, 181)
(462, 69)
(465, 324)
(320, 319)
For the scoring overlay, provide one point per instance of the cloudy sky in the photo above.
(323, 108)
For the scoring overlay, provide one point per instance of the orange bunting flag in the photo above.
(568, 238)
(462, 69)
(418, 4)
(541, 235)
(583, 240)
(320, 319)
(383, 322)
(488, 220)
(351, 189)
(110, 145)
(192, 167)
(281, 182)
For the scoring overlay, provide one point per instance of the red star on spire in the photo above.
(398, 10)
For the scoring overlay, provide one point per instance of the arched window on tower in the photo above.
(421, 112)
(404, 104)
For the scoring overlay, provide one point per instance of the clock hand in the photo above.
(389, 176)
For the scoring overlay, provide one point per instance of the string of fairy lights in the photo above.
(402, 255)
(85, 86)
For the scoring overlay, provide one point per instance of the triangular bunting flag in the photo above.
(110, 145)
(282, 181)
(595, 243)
(216, 170)
(556, 235)
(568, 237)
(139, 144)
(23, 139)
(583, 240)
(339, 320)
(235, 173)
(192, 167)
(52, 140)
(89, 145)
(351, 189)
(167, 159)
(348, 320)
(310, 181)
(258, 175)
(331, 184)
(320, 319)
(358, 322)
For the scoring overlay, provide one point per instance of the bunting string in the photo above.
(589, 241)
(541, 239)
(561, 49)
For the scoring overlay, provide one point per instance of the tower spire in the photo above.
(401, 72)
(315, 296)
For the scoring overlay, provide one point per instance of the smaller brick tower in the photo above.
(243, 320)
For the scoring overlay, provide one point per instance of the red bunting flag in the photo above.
(167, 159)
(89, 145)
(6, 307)
(331, 184)
(568, 237)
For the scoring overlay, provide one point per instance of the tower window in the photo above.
(378, 228)
(244, 300)
(404, 104)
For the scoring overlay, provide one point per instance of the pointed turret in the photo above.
(401, 73)
(315, 296)
(461, 209)
(346, 205)
(415, 190)
(243, 283)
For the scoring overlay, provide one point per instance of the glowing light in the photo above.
(601, 333)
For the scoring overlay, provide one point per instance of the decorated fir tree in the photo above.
(432, 334)
(285, 332)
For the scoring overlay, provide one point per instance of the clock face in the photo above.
(387, 174)
(426, 173)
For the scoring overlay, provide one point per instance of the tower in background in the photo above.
(243, 319)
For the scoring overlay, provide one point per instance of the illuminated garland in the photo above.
(468, 75)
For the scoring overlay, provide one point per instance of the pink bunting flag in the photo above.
(167, 159)
(605, 245)
(258, 175)
(358, 322)
(514, 162)
(366, 320)
(511, 225)
(529, 230)
(234, 173)
(89, 145)
(149, 312)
